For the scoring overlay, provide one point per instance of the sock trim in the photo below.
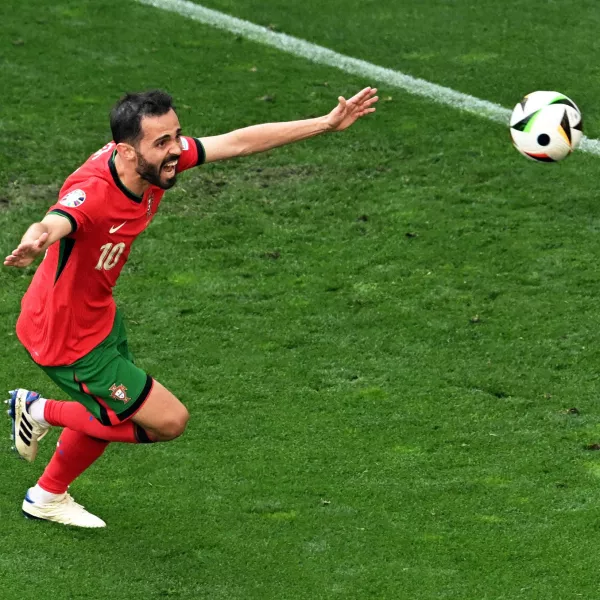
(141, 434)
(37, 411)
(39, 495)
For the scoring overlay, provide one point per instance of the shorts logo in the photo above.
(119, 392)
(73, 199)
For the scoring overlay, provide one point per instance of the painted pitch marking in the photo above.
(354, 66)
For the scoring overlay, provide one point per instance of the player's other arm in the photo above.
(37, 238)
(258, 138)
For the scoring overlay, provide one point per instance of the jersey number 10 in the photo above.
(110, 256)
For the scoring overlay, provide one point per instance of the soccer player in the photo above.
(69, 322)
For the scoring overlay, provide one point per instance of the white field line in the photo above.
(355, 66)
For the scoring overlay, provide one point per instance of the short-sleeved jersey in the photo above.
(69, 307)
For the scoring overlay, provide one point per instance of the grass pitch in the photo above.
(387, 338)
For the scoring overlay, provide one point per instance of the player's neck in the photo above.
(130, 178)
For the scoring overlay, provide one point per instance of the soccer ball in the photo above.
(546, 126)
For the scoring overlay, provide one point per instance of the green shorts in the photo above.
(106, 381)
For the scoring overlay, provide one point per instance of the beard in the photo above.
(152, 173)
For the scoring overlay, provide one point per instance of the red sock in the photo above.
(76, 417)
(75, 452)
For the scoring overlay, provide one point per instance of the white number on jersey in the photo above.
(110, 256)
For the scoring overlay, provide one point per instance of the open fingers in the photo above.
(366, 111)
(369, 102)
(25, 249)
(24, 254)
(13, 261)
(363, 95)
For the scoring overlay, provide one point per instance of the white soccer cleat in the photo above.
(26, 431)
(63, 510)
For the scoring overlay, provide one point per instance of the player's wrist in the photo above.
(325, 125)
(33, 233)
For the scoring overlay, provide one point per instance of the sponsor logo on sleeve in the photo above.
(184, 144)
(73, 199)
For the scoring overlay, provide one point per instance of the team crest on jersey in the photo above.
(119, 392)
(73, 199)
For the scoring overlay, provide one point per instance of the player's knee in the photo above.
(174, 424)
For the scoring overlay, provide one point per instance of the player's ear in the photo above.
(126, 151)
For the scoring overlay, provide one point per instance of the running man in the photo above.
(69, 322)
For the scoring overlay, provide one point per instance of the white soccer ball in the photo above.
(546, 126)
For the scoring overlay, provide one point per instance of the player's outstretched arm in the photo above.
(258, 138)
(37, 238)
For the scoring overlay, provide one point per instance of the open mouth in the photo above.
(170, 167)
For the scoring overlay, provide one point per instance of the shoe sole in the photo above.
(11, 414)
(32, 517)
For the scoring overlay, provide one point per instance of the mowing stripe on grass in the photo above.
(355, 66)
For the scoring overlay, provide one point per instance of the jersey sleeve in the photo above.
(192, 153)
(83, 204)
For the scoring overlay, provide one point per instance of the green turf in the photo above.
(387, 339)
(497, 51)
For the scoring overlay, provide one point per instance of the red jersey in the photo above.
(69, 307)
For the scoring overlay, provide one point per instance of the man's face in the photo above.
(159, 149)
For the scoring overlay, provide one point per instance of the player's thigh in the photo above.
(110, 386)
(162, 413)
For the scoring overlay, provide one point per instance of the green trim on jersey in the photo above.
(118, 182)
(66, 215)
(66, 247)
(201, 151)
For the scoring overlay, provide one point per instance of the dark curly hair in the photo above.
(127, 114)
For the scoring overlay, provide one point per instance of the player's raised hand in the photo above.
(26, 252)
(348, 111)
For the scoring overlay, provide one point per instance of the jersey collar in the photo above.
(118, 182)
